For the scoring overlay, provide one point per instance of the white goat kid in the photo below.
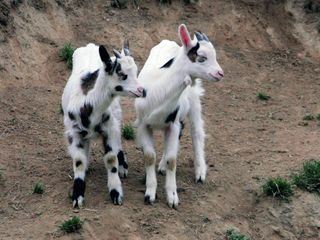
(169, 75)
(91, 108)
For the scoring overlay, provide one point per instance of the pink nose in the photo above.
(220, 73)
(140, 89)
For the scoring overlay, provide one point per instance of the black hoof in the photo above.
(79, 187)
(200, 180)
(147, 200)
(115, 197)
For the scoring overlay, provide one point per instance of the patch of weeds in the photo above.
(74, 224)
(318, 117)
(38, 188)
(278, 188)
(163, 2)
(309, 177)
(190, 1)
(119, 3)
(262, 96)
(128, 132)
(311, 6)
(66, 53)
(1, 177)
(308, 117)
(232, 234)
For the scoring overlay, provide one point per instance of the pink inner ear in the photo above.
(185, 37)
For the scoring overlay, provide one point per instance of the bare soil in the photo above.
(263, 46)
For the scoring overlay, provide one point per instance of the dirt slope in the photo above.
(260, 48)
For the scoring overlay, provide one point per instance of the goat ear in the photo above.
(199, 36)
(205, 37)
(126, 50)
(105, 58)
(185, 36)
(117, 53)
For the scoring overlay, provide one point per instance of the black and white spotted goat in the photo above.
(91, 108)
(169, 75)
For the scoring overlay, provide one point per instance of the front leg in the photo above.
(198, 138)
(170, 160)
(145, 140)
(111, 143)
(79, 151)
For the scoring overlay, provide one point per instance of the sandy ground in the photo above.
(260, 49)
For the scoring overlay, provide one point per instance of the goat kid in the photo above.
(91, 108)
(170, 76)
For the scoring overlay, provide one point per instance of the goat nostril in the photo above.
(220, 73)
(144, 93)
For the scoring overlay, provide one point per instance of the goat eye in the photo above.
(122, 76)
(201, 59)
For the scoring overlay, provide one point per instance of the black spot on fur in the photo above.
(107, 147)
(168, 64)
(88, 81)
(105, 118)
(85, 113)
(181, 128)
(98, 129)
(70, 139)
(118, 88)
(114, 170)
(78, 163)
(71, 116)
(80, 145)
(79, 187)
(122, 160)
(83, 133)
(192, 54)
(172, 116)
(114, 194)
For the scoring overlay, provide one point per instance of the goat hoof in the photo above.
(148, 200)
(115, 196)
(123, 173)
(78, 202)
(199, 180)
(173, 200)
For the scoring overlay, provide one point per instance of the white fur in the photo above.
(104, 101)
(168, 88)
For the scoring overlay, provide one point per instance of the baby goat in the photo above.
(91, 108)
(169, 75)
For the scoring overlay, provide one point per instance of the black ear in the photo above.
(104, 55)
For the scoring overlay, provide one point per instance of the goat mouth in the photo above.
(215, 79)
(135, 95)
